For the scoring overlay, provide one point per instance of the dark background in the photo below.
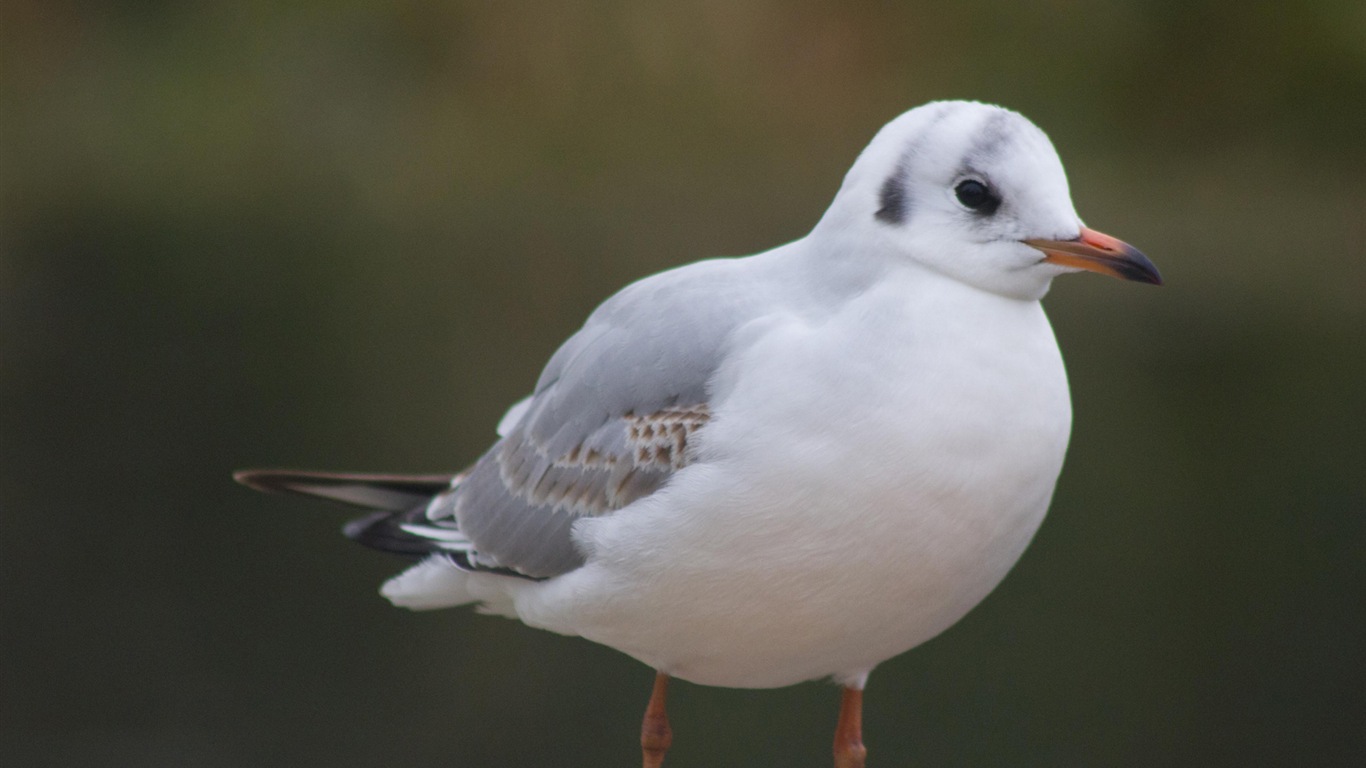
(347, 234)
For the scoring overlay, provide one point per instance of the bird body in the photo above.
(796, 465)
(744, 573)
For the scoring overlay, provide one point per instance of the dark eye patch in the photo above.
(892, 198)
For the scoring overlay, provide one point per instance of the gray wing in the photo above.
(610, 421)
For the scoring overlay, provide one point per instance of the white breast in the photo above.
(865, 481)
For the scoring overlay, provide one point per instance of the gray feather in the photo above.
(609, 422)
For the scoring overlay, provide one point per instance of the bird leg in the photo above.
(655, 733)
(849, 749)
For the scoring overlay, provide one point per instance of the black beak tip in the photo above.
(1139, 268)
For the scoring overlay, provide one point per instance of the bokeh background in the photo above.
(346, 235)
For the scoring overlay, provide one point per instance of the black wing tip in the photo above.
(288, 480)
(461, 559)
(384, 531)
(263, 480)
(381, 530)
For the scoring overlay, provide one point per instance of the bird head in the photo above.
(975, 192)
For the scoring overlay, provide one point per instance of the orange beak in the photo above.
(1098, 252)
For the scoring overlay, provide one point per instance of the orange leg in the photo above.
(849, 749)
(655, 733)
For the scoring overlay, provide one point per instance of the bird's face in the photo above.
(977, 193)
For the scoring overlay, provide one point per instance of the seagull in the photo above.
(753, 472)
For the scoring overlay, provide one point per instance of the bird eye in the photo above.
(976, 196)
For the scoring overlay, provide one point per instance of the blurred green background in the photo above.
(346, 235)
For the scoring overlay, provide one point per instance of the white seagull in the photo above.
(757, 471)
